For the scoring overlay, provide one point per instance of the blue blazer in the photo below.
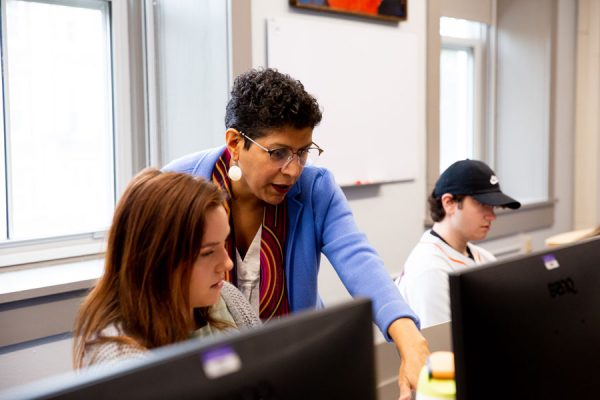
(320, 221)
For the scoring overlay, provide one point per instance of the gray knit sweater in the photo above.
(232, 307)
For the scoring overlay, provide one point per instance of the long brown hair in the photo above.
(154, 239)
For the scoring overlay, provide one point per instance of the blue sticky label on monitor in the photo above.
(550, 262)
(220, 361)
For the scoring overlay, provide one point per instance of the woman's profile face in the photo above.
(208, 271)
(263, 177)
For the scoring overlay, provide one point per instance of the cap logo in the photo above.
(493, 180)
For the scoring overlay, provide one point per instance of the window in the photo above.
(462, 90)
(81, 113)
(456, 105)
(58, 160)
(506, 115)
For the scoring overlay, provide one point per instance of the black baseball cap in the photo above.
(473, 178)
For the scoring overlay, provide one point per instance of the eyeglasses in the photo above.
(282, 156)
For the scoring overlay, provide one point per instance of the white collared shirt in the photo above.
(248, 272)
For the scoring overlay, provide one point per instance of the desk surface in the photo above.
(439, 336)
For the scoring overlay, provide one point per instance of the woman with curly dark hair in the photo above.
(284, 213)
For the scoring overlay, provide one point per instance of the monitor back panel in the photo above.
(529, 327)
(324, 354)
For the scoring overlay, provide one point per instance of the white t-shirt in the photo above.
(424, 281)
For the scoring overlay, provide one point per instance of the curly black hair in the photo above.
(436, 209)
(264, 99)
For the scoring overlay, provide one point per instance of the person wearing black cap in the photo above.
(462, 208)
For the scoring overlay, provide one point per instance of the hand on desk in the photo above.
(413, 350)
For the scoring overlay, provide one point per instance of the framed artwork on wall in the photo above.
(390, 10)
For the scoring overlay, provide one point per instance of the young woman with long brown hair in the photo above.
(164, 273)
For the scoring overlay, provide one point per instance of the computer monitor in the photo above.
(529, 327)
(323, 354)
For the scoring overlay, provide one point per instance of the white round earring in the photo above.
(234, 172)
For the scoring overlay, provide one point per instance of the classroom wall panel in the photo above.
(363, 78)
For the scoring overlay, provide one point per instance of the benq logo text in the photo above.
(562, 287)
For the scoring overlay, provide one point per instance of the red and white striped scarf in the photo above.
(273, 291)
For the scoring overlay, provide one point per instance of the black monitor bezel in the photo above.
(343, 331)
(479, 311)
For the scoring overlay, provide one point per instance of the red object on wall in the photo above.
(362, 6)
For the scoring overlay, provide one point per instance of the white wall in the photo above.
(388, 214)
(523, 97)
(392, 215)
(191, 47)
(587, 141)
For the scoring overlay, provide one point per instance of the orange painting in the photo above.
(393, 10)
(364, 6)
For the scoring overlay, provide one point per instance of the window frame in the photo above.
(3, 188)
(129, 133)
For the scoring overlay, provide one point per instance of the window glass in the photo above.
(456, 105)
(60, 162)
(462, 103)
(461, 28)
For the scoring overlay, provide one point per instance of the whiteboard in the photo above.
(365, 80)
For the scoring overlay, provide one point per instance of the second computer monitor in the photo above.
(529, 327)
